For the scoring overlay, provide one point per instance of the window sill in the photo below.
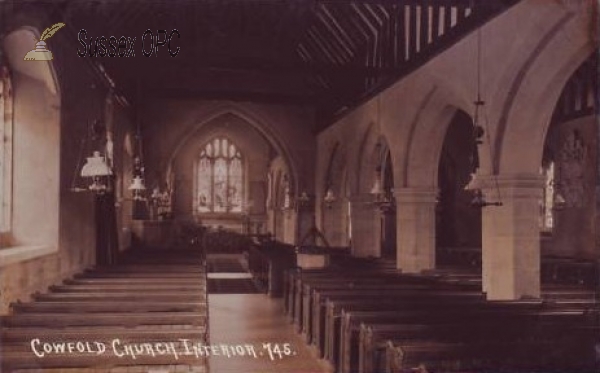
(17, 254)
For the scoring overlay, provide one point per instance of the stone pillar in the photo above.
(366, 226)
(511, 236)
(415, 219)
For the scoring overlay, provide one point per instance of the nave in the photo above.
(390, 185)
(154, 310)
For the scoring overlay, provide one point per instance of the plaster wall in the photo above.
(53, 228)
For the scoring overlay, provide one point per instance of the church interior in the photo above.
(299, 186)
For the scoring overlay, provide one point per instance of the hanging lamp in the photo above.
(479, 199)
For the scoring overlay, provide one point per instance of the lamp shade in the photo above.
(304, 197)
(95, 166)
(377, 189)
(329, 196)
(137, 184)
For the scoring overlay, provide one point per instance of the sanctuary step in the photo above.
(130, 315)
(228, 274)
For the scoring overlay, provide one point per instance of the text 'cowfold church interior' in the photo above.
(299, 186)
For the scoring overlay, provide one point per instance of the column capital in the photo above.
(415, 195)
(510, 185)
(521, 181)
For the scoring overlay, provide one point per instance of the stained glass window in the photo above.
(546, 211)
(220, 178)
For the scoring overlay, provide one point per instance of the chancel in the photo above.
(293, 186)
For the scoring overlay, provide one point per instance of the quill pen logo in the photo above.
(40, 53)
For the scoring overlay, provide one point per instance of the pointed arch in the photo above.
(256, 121)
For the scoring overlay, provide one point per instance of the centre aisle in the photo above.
(254, 319)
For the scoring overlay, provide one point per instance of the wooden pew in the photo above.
(180, 296)
(120, 287)
(352, 321)
(125, 319)
(305, 284)
(143, 281)
(381, 298)
(15, 361)
(101, 334)
(473, 334)
(567, 355)
(154, 297)
(529, 306)
(124, 306)
(360, 268)
(308, 293)
(142, 275)
(153, 268)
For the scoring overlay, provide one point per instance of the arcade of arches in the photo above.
(395, 177)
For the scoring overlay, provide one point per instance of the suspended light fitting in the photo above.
(384, 199)
(329, 198)
(137, 187)
(97, 169)
(303, 198)
(479, 199)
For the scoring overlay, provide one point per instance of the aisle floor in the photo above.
(254, 319)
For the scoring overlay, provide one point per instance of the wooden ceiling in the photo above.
(331, 54)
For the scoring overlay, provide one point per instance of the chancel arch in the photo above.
(220, 175)
(204, 118)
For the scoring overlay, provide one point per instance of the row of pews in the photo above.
(134, 313)
(365, 317)
(554, 269)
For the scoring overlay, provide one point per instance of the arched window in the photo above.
(6, 120)
(220, 178)
(547, 205)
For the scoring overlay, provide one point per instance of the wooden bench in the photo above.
(14, 361)
(142, 275)
(100, 306)
(152, 268)
(360, 268)
(126, 319)
(336, 309)
(143, 281)
(304, 317)
(382, 298)
(351, 323)
(472, 334)
(101, 334)
(127, 287)
(180, 296)
(567, 355)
